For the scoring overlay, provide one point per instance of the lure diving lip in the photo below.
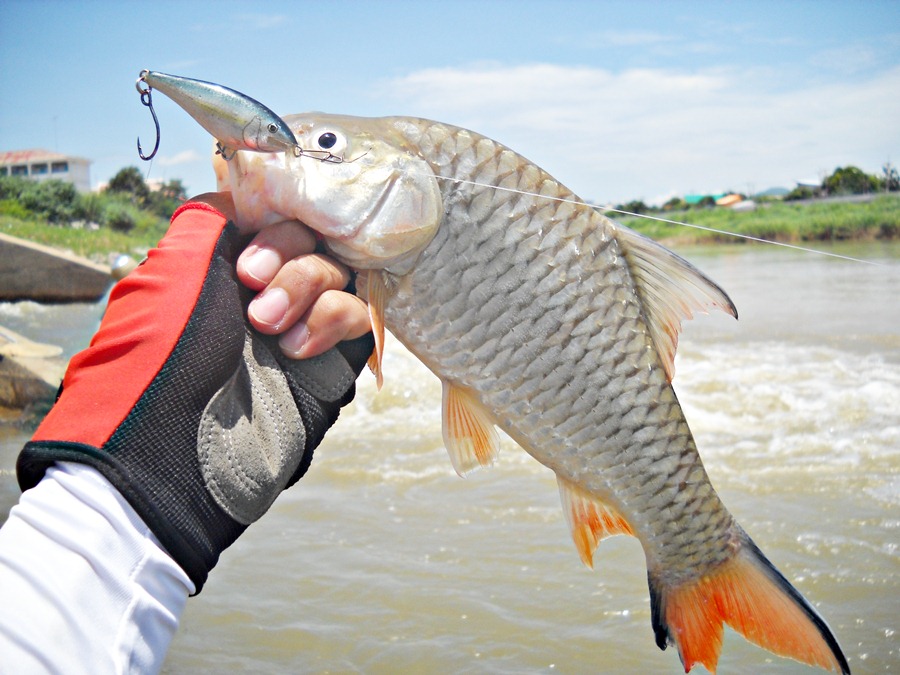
(235, 120)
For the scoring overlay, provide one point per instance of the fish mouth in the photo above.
(370, 244)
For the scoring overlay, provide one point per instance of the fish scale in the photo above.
(472, 249)
(559, 326)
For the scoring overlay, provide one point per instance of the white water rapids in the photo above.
(382, 560)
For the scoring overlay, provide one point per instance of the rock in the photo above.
(30, 372)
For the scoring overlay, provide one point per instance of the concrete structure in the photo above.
(46, 165)
(29, 271)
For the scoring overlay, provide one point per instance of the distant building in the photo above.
(46, 165)
(729, 200)
(693, 200)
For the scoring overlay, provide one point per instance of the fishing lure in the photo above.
(235, 120)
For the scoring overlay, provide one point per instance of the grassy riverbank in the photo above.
(779, 221)
(95, 244)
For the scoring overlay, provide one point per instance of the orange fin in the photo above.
(671, 289)
(376, 290)
(751, 596)
(469, 434)
(589, 519)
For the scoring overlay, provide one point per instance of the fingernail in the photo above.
(262, 264)
(270, 307)
(292, 341)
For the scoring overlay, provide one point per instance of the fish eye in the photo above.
(272, 127)
(327, 140)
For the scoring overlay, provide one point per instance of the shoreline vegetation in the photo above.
(811, 220)
(129, 218)
(787, 222)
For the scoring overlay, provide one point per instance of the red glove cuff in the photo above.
(146, 316)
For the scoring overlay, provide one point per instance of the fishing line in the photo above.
(663, 220)
(744, 236)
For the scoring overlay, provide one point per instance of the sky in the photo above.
(618, 100)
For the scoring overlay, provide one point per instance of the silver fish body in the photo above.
(559, 326)
(528, 303)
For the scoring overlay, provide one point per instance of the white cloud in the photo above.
(185, 157)
(645, 132)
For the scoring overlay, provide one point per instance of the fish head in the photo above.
(356, 181)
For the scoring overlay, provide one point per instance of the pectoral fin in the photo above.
(376, 290)
(469, 435)
(589, 519)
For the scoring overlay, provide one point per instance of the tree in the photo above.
(166, 200)
(850, 180)
(130, 182)
(675, 204)
(173, 189)
(52, 200)
(799, 193)
(634, 206)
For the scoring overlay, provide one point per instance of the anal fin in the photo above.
(589, 519)
(469, 434)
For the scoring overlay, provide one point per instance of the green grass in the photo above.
(780, 221)
(95, 244)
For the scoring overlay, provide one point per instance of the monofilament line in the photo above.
(663, 220)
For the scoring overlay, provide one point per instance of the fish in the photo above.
(235, 120)
(548, 320)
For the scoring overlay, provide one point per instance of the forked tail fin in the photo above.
(751, 596)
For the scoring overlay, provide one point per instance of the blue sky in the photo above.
(618, 100)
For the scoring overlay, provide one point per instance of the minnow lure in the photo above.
(235, 120)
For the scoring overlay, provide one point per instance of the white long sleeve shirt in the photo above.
(85, 587)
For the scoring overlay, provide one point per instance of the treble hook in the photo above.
(147, 101)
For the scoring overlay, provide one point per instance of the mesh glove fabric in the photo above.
(197, 419)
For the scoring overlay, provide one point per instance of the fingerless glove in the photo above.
(197, 419)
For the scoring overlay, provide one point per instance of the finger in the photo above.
(335, 316)
(296, 286)
(270, 249)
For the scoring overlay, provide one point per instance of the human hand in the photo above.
(301, 292)
(196, 419)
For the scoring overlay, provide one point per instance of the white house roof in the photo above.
(36, 155)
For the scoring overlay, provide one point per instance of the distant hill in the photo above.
(773, 192)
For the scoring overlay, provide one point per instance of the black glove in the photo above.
(197, 419)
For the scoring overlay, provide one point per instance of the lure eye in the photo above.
(273, 128)
(327, 140)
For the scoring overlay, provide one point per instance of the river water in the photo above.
(382, 560)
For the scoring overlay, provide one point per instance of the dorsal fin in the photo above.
(671, 289)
